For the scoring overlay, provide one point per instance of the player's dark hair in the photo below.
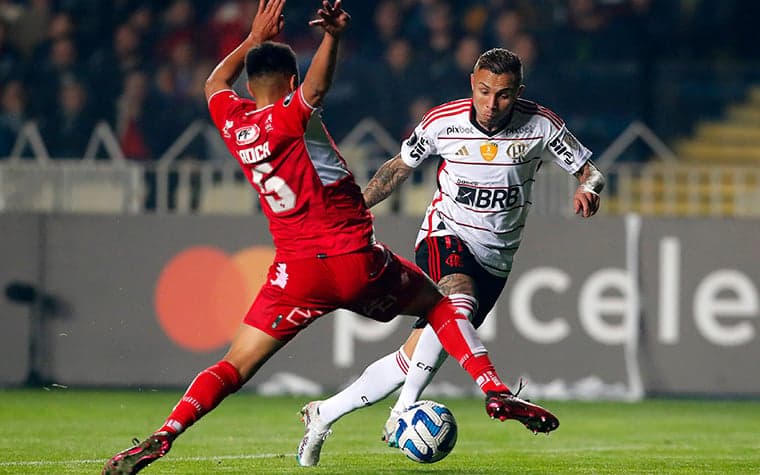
(501, 61)
(271, 58)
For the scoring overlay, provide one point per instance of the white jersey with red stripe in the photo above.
(305, 188)
(485, 181)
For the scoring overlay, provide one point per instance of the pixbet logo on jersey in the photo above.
(457, 129)
(488, 198)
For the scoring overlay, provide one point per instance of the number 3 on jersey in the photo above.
(273, 188)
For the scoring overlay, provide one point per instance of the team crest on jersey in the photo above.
(488, 151)
(517, 151)
(247, 134)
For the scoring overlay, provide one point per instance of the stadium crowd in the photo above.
(140, 65)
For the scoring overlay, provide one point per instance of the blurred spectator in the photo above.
(582, 36)
(10, 11)
(507, 27)
(88, 15)
(475, 20)
(441, 37)
(61, 26)
(12, 114)
(68, 130)
(114, 61)
(61, 65)
(10, 60)
(131, 121)
(31, 26)
(386, 27)
(228, 25)
(538, 74)
(524, 45)
(454, 82)
(176, 27)
(182, 57)
(396, 82)
(142, 20)
(164, 102)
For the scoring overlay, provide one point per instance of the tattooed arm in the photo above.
(387, 178)
(586, 199)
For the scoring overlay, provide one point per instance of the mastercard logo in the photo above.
(203, 293)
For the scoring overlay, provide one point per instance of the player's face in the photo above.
(493, 96)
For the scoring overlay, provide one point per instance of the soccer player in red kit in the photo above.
(326, 256)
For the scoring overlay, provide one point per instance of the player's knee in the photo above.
(466, 305)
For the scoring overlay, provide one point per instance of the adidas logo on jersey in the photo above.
(462, 152)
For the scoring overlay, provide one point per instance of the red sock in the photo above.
(206, 391)
(459, 339)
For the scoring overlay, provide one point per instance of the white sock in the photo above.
(376, 382)
(429, 356)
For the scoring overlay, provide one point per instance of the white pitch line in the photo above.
(41, 463)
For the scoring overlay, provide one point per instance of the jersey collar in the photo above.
(490, 134)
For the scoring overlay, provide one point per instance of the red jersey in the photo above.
(305, 188)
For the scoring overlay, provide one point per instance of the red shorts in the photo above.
(373, 282)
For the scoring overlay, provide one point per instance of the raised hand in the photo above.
(332, 18)
(268, 21)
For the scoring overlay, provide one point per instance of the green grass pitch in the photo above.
(61, 431)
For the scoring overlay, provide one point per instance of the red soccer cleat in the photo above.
(506, 405)
(134, 459)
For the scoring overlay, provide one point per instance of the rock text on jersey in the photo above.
(487, 198)
(254, 154)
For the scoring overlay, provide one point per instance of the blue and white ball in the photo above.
(426, 432)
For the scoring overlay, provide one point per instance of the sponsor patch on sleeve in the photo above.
(412, 140)
(565, 147)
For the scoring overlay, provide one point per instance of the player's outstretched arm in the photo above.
(333, 20)
(387, 178)
(586, 200)
(267, 24)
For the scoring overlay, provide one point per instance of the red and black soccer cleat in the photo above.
(506, 405)
(134, 459)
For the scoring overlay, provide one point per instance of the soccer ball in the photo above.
(426, 431)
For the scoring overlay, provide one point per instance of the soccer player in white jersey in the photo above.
(490, 147)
